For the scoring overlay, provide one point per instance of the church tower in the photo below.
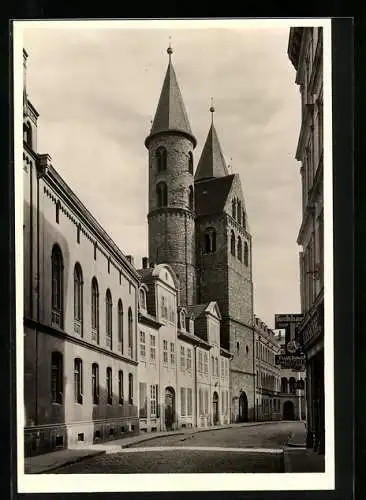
(171, 187)
(224, 266)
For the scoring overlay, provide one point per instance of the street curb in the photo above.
(74, 460)
(151, 438)
(286, 462)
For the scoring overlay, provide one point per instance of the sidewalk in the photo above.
(50, 461)
(298, 439)
(298, 458)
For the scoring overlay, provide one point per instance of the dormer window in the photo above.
(142, 299)
(182, 320)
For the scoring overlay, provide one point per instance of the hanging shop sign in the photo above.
(291, 362)
(290, 323)
(314, 328)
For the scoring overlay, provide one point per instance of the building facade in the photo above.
(198, 224)
(305, 51)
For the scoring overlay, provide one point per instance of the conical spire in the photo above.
(212, 162)
(171, 114)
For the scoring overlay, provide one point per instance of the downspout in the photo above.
(253, 337)
(38, 299)
(195, 386)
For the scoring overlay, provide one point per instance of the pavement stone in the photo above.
(303, 460)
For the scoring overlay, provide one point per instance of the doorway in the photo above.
(215, 408)
(169, 408)
(243, 407)
(288, 410)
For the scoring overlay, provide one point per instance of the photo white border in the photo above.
(52, 483)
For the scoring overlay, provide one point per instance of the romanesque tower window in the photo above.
(246, 254)
(95, 310)
(57, 286)
(108, 318)
(162, 194)
(161, 157)
(232, 243)
(78, 300)
(240, 249)
(239, 211)
(210, 240)
(190, 198)
(190, 162)
(233, 208)
(120, 326)
(130, 332)
(27, 134)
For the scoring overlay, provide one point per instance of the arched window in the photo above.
(27, 134)
(161, 159)
(57, 377)
(233, 208)
(190, 162)
(120, 326)
(284, 386)
(210, 240)
(78, 299)
(240, 249)
(130, 332)
(239, 212)
(108, 318)
(246, 254)
(95, 383)
(292, 385)
(57, 286)
(109, 386)
(130, 388)
(142, 299)
(244, 220)
(162, 194)
(120, 387)
(182, 320)
(232, 243)
(190, 198)
(95, 310)
(78, 380)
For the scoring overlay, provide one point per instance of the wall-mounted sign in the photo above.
(291, 362)
(314, 328)
(290, 323)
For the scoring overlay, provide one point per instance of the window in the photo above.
(95, 383)
(189, 359)
(247, 349)
(164, 307)
(240, 249)
(142, 299)
(172, 353)
(162, 194)
(153, 400)
(108, 318)
(237, 347)
(223, 402)
(182, 358)
(246, 254)
(152, 348)
(27, 134)
(130, 333)
(239, 212)
(57, 286)
(120, 326)
(190, 198)
(200, 401)
(130, 388)
(78, 231)
(189, 402)
(142, 400)
(182, 320)
(95, 310)
(232, 243)
(257, 349)
(233, 208)
(206, 363)
(58, 206)
(161, 159)
(217, 367)
(57, 377)
(200, 365)
(292, 385)
(142, 345)
(206, 402)
(190, 162)
(165, 351)
(183, 401)
(109, 386)
(212, 366)
(222, 368)
(257, 378)
(78, 380)
(210, 240)
(244, 220)
(78, 300)
(284, 384)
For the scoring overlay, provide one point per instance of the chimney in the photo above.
(130, 259)
(145, 262)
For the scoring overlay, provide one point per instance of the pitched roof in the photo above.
(211, 194)
(171, 114)
(212, 162)
(197, 309)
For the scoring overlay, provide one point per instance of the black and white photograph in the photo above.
(173, 195)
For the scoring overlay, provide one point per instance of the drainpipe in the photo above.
(39, 175)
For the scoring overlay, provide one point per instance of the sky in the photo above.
(97, 89)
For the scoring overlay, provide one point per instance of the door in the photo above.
(288, 411)
(169, 408)
(215, 408)
(243, 407)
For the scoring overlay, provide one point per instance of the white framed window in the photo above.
(183, 401)
(182, 358)
(217, 367)
(172, 353)
(152, 347)
(165, 351)
(206, 402)
(189, 402)
(142, 344)
(153, 400)
(206, 363)
(200, 364)
(189, 359)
